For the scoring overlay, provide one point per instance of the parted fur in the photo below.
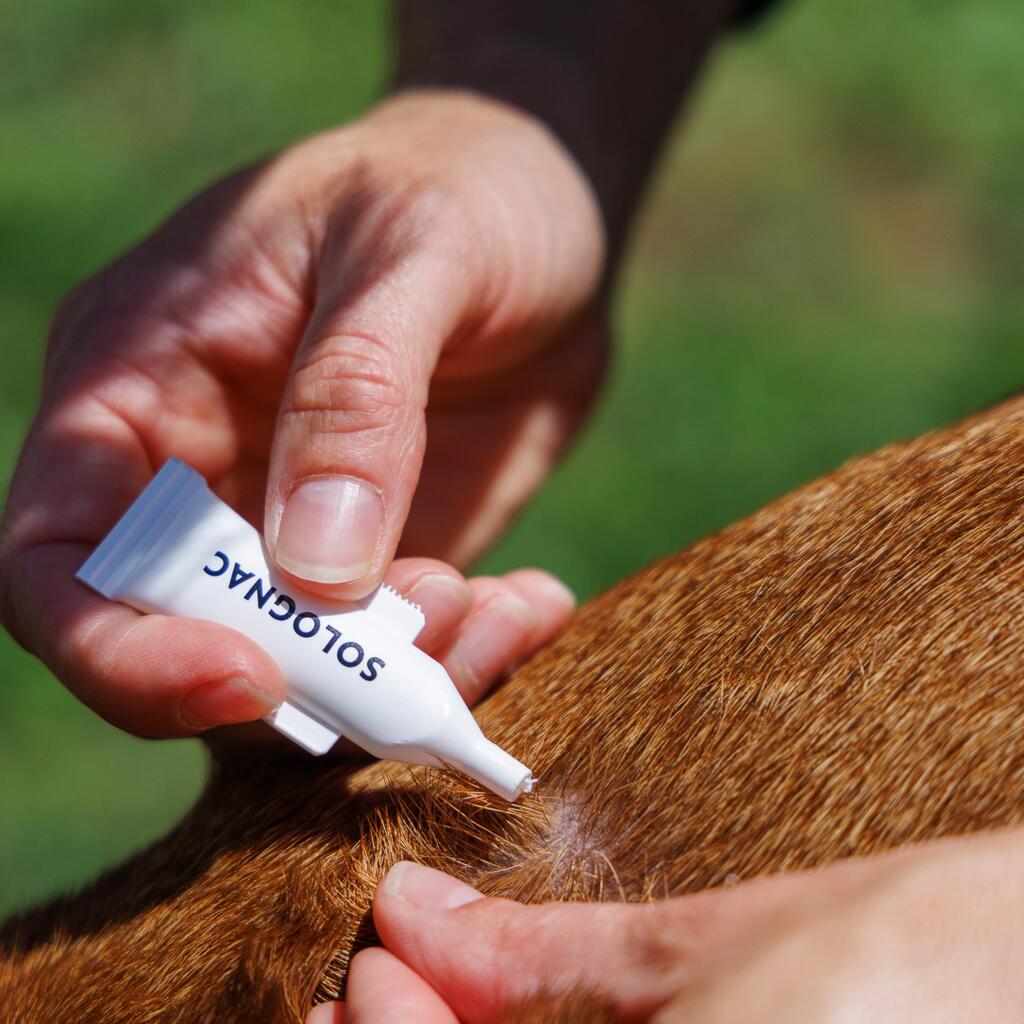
(841, 673)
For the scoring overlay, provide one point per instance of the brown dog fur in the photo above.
(840, 673)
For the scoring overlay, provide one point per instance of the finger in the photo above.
(383, 990)
(86, 458)
(509, 620)
(440, 590)
(326, 1013)
(442, 594)
(350, 437)
(484, 955)
(553, 602)
(154, 675)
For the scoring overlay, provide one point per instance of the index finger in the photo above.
(82, 466)
(153, 675)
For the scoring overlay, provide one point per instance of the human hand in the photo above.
(282, 333)
(929, 933)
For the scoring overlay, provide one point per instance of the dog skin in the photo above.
(839, 674)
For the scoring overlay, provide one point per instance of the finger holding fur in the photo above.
(383, 990)
(484, 956)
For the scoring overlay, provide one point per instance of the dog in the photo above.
(841, 673)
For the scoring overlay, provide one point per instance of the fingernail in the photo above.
(426, 888)
(224, 702)
(330, 529)
(556, 591)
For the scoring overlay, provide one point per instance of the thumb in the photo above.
(483, 956)
(350, 436)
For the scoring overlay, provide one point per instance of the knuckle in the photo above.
(436, 205)
(79, 649)
(14, 571)
(394, 196)
(514, 925)
(510, 927)
(79, 298)
(71, 315)
(84, 305)
(341, 389)
(667, 936)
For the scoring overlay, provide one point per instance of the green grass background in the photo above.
(830, 260)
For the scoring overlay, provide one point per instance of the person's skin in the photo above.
(930, 933)
(280, 334)
(375, 343)
(909, 936)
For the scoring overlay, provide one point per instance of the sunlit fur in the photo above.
(841, 673)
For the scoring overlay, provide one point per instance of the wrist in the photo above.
(605, 77)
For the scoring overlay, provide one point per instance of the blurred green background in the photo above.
(830, 260)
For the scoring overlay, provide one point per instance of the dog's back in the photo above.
(839, 674)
